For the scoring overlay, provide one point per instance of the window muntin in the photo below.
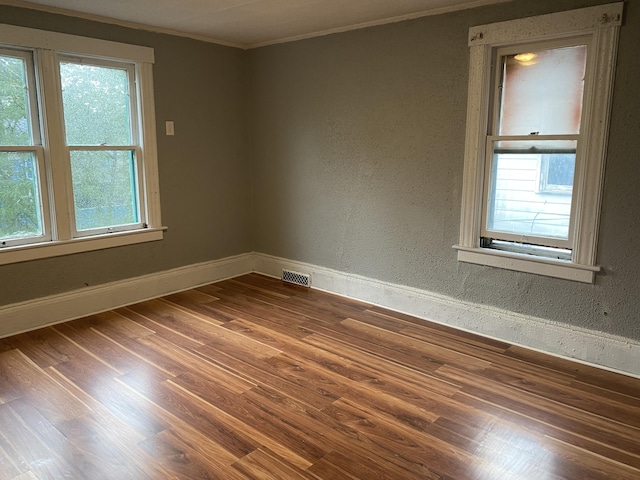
(22, 193)
(100, 119)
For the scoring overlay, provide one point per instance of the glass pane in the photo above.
(542, 91)
(104, 188)
(556, 173)
(530, 193)
(15, 121)
(20, 208)
(96, 104)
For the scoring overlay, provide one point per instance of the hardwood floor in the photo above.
(252, 378)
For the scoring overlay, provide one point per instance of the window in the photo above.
(536, 123)
(537, 120)
(78, 167)
(21, 154)
(98, 130)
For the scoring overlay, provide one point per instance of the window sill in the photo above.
(527, 263)
(25, 253)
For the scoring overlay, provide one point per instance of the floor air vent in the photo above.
(296, 278)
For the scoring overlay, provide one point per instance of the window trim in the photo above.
(602, 23)
(46, 47)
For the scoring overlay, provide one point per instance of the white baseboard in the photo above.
(607, 351)
(595, 348)
(32, 314)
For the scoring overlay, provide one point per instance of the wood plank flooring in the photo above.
(252, 378)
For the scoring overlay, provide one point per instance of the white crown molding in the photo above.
(115, 21)
(384, 21)
(205, 38)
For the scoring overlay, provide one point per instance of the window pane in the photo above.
(20, 209)
(15, 121)
(542, 91)
(556, 173)
(530, 193)
(96, 104)
(104, 188)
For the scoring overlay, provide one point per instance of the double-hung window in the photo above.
(99, 133)
(537, 120)
(78, 167)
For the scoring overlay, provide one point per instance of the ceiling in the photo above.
(249, 23)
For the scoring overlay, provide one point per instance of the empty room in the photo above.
(319, 240)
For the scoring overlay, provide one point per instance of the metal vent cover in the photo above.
(296, 278)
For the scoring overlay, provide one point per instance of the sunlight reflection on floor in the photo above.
(507, 452)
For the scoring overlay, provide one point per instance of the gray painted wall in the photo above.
(358, 144)
(204, 168)
(350, 147)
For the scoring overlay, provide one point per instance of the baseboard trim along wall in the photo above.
(595, 348)
(29, 315)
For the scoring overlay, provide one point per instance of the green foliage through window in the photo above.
(96, 104)
(19, 192)
(15, 122)
(97, 114)
(104, 188)
(19, 197)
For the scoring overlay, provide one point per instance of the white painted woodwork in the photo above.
(588, 346)
(602, 23)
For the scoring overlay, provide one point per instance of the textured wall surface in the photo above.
(204, 170)
(358, 145)
(347, 153)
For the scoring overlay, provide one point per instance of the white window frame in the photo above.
(62, 239)
(601, 24)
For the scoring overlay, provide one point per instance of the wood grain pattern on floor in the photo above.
(250, 378)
